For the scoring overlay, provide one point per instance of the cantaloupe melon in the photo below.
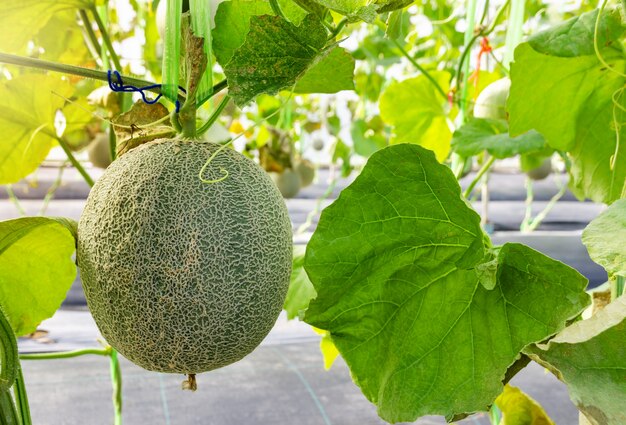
(182, 275)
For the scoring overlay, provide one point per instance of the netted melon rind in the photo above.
(183, 276)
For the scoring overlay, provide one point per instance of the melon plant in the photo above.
(184, 275)
(185, 246)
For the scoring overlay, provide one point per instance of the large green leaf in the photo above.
(574, 37)
(333, 73)
(20, 20)
(561, 89)
(301, 289)
(590, 357)
(418, 113)
(394, 261)
(36, 269)
(28, 105)
(275, 54)
(605, 239)
(478, 135)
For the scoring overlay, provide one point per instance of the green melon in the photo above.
(287, 182)
(541, 172)
(306, 172)
(180, 275)
(491, 102)
(99, 151)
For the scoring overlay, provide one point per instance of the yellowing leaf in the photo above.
(27, 111)
(418, 113)
(62, 40)
(20, 20)
(329, 351)
(263, 136)
(519, 409)
(588, 356)
(327, 347)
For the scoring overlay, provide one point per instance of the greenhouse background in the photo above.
(452, 175)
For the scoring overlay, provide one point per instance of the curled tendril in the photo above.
(230, 142)
(616, 123)
(595, 42)
(616, 94)
(208, 162)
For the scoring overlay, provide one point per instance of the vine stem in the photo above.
(495, 415)
(116, 382)
(67, 354)
(318, 207)
(530, 224)
(470, 38)
(21, 398)
(530, 196)
(217, 87)
(14, 199)
(617, 287)
(89, 30)
(463, 66)
(596, 48)
(71, 70)
(53, 188)
(74, 161)
(335, 32)
(276, 8)
(214, 116)
(486, 166)
(116, 374)
(421, 69)
(105, 37)
(514, 31)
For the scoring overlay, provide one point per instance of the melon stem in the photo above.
(190, 383)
